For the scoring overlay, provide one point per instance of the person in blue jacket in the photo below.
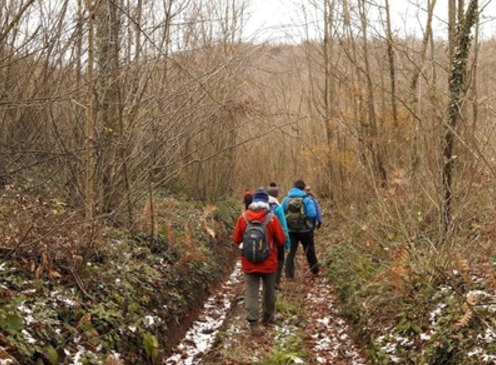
(273, 192)
(317, 222)
(300, 213)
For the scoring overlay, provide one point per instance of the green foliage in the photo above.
(289, 351)
(227, 212)
(409, 301)
(136, 291)
(289, 308)
(150, 344)
(11, 322)
(51, 354)
(353, 278)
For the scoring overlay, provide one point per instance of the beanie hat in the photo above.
(261, 196)
(273, 191)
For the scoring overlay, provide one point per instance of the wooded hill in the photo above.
(106, 107)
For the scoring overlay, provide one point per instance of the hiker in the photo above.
(247, 198)
(300, 211)
(276, 207)
(254, 267)
(317, 222)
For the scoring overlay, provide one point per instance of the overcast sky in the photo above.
(278, 20)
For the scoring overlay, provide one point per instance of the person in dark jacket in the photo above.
(300, 227)
(264, 271)
(247, 198)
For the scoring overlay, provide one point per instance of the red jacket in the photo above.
(275, 236)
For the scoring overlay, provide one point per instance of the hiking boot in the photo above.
(267, 319)
(315, 270)
(254, 329)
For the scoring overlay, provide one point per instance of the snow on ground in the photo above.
(326, 333)
(329, 337)
(201, 335)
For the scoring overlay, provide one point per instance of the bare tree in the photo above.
(90, 116)
(109, 121)
(392, 67)
(371, 124)
(427, 35)
(457, 90)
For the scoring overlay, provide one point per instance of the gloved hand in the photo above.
(318, 225)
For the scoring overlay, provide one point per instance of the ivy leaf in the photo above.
(150, 343)
(12, 323)
(51, 354)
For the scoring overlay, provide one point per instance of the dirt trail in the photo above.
(307, 328)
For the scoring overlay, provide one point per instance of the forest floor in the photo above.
(308, 328)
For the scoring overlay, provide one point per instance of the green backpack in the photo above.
(295, 215)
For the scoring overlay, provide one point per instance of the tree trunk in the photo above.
(90, 116)
(328, 89)
(457, 90)
(109, 126)
(415, 162)
(392, 67)
(373, 133)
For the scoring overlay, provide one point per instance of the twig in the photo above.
(14, 249)
(80, 284)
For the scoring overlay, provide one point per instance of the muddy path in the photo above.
(308, 328)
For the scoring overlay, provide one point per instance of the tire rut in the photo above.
(307, 311)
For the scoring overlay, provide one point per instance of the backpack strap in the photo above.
(267, 219)
(273, 206)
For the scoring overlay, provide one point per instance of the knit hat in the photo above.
(261, 196)
(273, 191)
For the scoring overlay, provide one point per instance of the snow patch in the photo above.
(201, 335)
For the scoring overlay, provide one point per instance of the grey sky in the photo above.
(277, 20)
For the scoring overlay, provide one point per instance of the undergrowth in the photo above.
(287, 350)
(92, 296)
(411, 297)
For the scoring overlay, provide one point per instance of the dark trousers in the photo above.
(252, 289)
(280, 263)
(306, 239)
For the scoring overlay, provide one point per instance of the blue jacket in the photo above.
(279, 213)
(318, 219)
(310, 210)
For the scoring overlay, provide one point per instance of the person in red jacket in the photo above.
(265, 270)
(247, 198)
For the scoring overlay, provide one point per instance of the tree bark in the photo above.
(373, 132)
(328, 89)
(457, 91)
(392, 67)
(90, 116)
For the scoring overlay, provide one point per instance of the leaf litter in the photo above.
(221, 334)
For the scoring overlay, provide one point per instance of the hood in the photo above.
(273, 200)
(259, 206)
(258, 214)
(296, 193)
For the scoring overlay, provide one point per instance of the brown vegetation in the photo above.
(107, 106)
